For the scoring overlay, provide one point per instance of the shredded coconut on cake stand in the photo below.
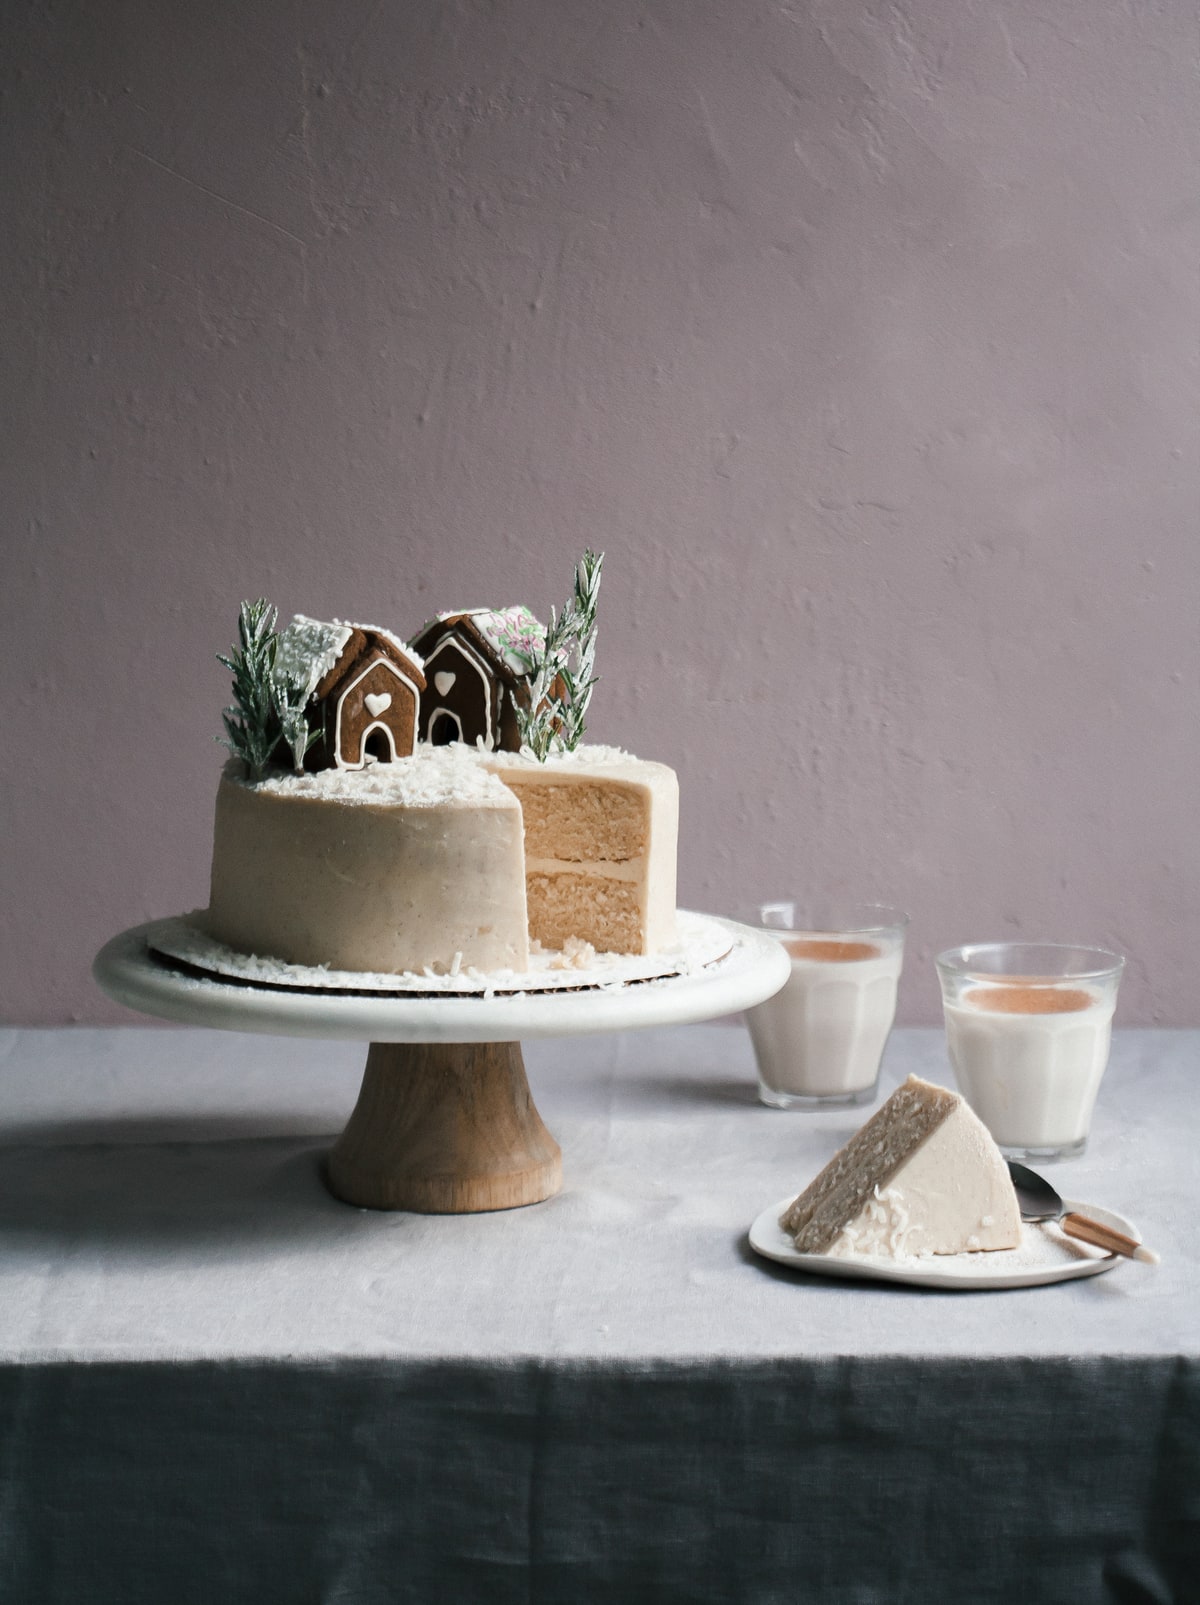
(702, 942)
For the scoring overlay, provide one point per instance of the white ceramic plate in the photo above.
(1045, 1255)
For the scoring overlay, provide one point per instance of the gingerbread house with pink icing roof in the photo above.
(476, 662)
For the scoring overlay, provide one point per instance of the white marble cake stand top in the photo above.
(754, 969)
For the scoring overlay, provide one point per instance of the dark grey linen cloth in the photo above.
(218, 1384)
(778, 1481)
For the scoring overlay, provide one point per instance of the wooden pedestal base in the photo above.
(445, 1129)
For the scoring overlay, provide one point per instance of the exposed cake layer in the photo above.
(598, 822)
(566, 906)
(922, 1176)
(407, 865)
(601, 832)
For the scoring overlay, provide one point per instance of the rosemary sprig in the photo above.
(562, 678)
(251, 722)
(268, 707)
(290, 698)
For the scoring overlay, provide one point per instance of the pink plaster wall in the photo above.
(863, 336)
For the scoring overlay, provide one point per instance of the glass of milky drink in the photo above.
(821, 1039)
(1028, 1026)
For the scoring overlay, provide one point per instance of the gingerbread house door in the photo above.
(376, 716)
(460, 692)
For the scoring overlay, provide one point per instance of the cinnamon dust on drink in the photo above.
(1028, 999)
(827, 950)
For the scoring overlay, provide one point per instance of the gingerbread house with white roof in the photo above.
(476, 662)
(365, 690)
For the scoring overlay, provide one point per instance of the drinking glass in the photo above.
(820, 1040)
(1028, 1028)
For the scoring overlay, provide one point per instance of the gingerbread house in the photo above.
(476, 662)
(365, 690)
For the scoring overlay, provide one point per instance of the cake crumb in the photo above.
(576, 954)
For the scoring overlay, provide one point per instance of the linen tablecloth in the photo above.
(217, 1383)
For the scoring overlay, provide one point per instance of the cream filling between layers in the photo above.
(630, 870)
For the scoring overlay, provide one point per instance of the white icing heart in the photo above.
(377, 702)
(443, 680)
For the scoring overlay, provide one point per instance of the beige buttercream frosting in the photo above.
(411, 864)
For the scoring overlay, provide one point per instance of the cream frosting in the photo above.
(950, 1196)
(402, 866)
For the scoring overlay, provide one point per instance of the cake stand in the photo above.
(444, 1122)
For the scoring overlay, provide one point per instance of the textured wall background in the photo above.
(863, 336)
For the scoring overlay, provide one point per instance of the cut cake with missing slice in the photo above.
(601, 829)
(922, 1176)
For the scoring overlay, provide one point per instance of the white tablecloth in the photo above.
(218, 1383)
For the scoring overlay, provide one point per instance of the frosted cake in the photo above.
(385, 852)
(922, 1176)
(395, 868)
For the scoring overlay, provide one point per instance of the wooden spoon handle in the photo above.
(1091, 1231)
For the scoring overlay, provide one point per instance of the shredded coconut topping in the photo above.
(583, 754)
(883, 1228)
(576, 954)
(309, 648)
(703, 942)
(432, 776)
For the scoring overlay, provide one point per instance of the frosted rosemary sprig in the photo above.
(251, 722)
(561, 680)
(268, 706)
(578, 678)
(537, 722)
(290, 700)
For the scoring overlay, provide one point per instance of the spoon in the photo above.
(1038, 1201)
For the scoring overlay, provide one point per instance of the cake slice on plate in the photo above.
(923, 1176)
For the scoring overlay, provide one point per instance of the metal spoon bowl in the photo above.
(1038, 1201)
